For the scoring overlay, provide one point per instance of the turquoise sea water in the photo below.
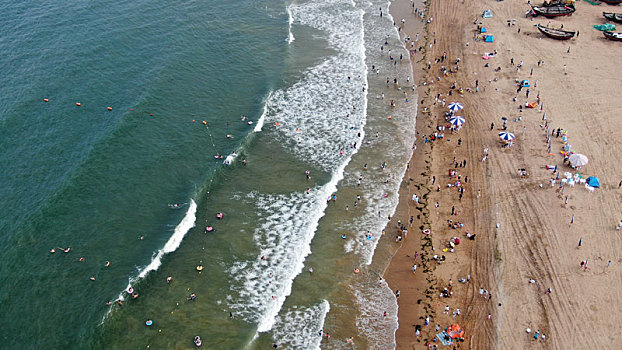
(103, 182)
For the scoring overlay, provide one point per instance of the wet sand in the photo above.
(523, 225)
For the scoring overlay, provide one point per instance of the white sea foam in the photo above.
(322, 115)
(290, 20)
(262, 118)
(287, 224)
(230, 158)
(374, 298)
(171, 245)
(300, 328)
(315, 126)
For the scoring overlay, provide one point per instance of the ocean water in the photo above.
(216, 108)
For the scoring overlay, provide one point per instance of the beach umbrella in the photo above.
(507, 136)
(455, 106)
(578, 159)
(457, 120)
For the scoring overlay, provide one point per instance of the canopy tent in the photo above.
(578, 160)
(593, 181)
(455, 331)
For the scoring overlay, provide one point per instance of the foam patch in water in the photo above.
(374, 299)
(321, 116)
(301, 328)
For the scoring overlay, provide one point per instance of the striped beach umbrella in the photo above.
(457, 120)
(507, 136)
(455, 106)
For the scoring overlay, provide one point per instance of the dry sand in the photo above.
(535, 238)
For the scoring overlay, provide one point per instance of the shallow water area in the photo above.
(139, 185)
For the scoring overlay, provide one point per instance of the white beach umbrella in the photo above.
(578, 159)
(507, 136)
(457, 120)
(455, 106)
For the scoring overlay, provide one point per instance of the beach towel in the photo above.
(444, 338)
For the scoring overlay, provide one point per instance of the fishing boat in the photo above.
(553, 11)
(613, 36)
(558, 34)
(612, 2)
(616, 17)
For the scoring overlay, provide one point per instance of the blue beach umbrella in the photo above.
(455, 106)
(507, 136)
(457, 120)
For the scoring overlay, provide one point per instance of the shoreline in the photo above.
(398, 273)
(522, 267)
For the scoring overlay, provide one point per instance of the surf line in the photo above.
(171, 245)
(262, 118)
(290, 20)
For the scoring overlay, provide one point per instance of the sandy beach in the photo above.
(522, 271)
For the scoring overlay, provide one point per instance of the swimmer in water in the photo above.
(81, 259)
(107, 263)
(52, 250)
(169, 279)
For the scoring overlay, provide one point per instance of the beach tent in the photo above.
(483, 30)
(525, 83)
(487, 14)
(488, 38)
(593, 181)
(455, 331)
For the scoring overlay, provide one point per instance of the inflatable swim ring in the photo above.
(426, 231)
(220, 215)
(357, 270)
(200, 268)
(148, 323)
(209, 229)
